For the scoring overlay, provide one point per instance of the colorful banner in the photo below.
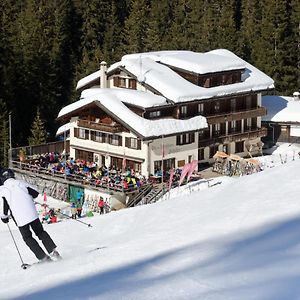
(193, 166)
(185, 170)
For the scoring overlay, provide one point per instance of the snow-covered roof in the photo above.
(88, 79)
(113, 101)
(200, 63)
(63, 128)
(281, 109)
(147, 69)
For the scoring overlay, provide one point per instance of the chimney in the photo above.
(296, 96)
(103, 76)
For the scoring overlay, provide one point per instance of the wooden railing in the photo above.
(237, 115)
(232, 137)
(112, 128)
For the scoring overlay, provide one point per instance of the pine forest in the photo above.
(47, 46)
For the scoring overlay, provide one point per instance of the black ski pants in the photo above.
(39, 231)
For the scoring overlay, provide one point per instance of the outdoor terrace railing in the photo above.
(80, 179)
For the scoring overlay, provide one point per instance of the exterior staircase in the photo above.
(150, 195)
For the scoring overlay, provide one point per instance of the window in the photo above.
(247, 125)
(233, 104)
(239, 147)
(201, 108)
(154, 114)
(132, 84)
(98, 136)
(122, 82)
(217, 129)
(201, 154)
(253, 123)
(207, 83)
(248, 102)
(115, 140)
(225, 148)
(180, 163)
(186, 138)
(81, 133)
(217, 106)
(212, 150)
(132, 143)
(183, 110)
(233, 126)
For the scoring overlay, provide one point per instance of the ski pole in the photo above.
(24, 265)
(89, 225)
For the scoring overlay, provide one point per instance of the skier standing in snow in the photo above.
(16, 200)
(101, 205)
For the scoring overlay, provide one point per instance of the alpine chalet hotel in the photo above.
(170, 106)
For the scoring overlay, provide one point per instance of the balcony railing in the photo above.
(238, 115)
(112, 128)
(234, 137)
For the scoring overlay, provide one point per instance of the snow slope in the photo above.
(236, 240)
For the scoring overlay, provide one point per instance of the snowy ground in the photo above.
(236, 240)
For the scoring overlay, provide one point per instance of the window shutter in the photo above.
(139, 144)
(119, 141)
(127, 142)
(76, 132)
(192, 137)
(86, 134)
(93, 135)
(177, 139)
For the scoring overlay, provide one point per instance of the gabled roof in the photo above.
(112, 101)
(153, 70)
(281, 109)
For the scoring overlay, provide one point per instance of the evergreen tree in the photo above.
(38, 132)
(95, 16)
(112, 37)
(135, 31)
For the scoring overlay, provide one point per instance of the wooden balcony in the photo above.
(234, 137)
(238, 115)
(112, 128)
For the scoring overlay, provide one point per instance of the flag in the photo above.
(172, 172)
(185, 170)
(193, 167)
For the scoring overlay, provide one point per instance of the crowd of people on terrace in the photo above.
(91, 173)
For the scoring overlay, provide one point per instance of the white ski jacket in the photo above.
(19, 200)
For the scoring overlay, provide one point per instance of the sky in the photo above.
(237, 239)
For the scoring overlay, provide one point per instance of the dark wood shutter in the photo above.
(139, 144)
(192, 137)
(119, 141)
(76, 132)
(86, 134)
(93, 135)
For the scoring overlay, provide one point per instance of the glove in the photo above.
(5, 220)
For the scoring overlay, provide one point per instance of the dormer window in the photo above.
(201, 108)
(154, 114)
(183, 110)
(233, 104)
(217, 106)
